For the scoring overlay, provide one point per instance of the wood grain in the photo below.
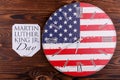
(14, 67)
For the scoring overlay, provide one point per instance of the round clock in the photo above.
(79, 39)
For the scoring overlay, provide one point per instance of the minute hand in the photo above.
(78, 41)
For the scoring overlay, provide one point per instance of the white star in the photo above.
(75, 5)
(75, 22)
(46, 30)
(55, 22)
(60, 9)
(75, 38)
(65, 22)
(50, 34)
(74, 14)
(55, 14)
(65, 30)
(50, 26)
(70, 18)
(65, 13)
(65, 39)
(60, 26)
(60, 18)
(75, 30)
(70, 34)
(70, 26)
(55, 30)
(50, 18)
(60, 34)
(69, 9)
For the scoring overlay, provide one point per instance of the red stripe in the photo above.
(82, 74)
(96, 27)
(74, 62)
(80, 51)
(97, 39)
(86, 5)
(96, 16)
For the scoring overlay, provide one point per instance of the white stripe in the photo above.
(95, 22)
(79, 57)
(92, 10)
(84, 68)
(81, 45)
(97, 33)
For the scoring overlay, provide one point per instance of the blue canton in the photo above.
(63, 26)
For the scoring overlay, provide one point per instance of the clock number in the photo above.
(65, 15)
(51, 40)
(100, 27)
(66, 63)
(79, 67)
(77, 44)
(79, 12)
(106, 39)
(53, 25)
(93, 63)
(93, 15)
(103, 52)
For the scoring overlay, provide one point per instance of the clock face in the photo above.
(79, 39)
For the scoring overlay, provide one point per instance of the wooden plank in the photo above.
(13, 67)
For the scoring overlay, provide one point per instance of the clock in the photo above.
(79, 39)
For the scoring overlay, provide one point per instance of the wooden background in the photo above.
(14, 67)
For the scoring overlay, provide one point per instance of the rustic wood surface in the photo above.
(14, 67)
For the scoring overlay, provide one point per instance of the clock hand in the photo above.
(57, 52)
(66, 47)
(93, 15)
(81, 12)
(62, 49)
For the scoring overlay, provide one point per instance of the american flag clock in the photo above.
(79, 39)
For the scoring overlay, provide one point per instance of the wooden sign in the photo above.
(26, 39)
